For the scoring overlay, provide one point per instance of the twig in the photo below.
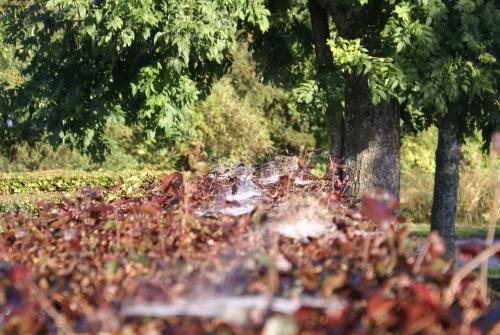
(366, 251)
(421, 256)
(59, 319)
(273, 282)
(161, 228)
(118, 232)
(185, 202)
(457, 278)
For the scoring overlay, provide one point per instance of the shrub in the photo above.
(227, 125)
(43, 156)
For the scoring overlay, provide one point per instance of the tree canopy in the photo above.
(438, 58)
(141, 60)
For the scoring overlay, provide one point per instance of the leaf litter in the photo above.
(231, 253)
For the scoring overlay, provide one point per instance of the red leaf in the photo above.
(18, 273)
(425, 293)
(473, 248)
(437, 246)
(172, 183)
(376, 210)
(378, 308)
(301, 162)
(286, 182)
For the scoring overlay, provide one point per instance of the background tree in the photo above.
(9, 77)
(143, 61)
(448, 52)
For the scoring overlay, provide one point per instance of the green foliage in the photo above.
(284, 53)
(230, 126)
(42, 156)
(28, 202)
(121, 155)
(285, 60)
(245, 116)
(9, 72)
(438, 58)
(385, 79)
(145, 61)
(449, 53)
(64, 181)
(418, 153)
(292, 115)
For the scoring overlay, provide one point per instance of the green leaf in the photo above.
(400, 46)
(112, 267)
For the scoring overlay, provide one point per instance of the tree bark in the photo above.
(444, 204)
(324, 64)
(372, 140)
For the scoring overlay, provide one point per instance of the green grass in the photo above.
(494, 282)
(494, 273)
(468, 230)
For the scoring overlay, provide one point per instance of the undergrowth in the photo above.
(475, 193)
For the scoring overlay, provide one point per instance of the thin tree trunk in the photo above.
(324, 61)
(444, 204)
(372, 140)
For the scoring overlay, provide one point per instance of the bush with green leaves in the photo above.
(229, 126)
(33, 183)
(290, 114)
(43, 156)
(9, 69)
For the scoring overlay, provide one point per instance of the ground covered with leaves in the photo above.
(241, 250)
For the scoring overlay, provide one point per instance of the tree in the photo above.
(144, 61)
(371, 116)
(442, 57)
(370, 143)
(285, 58)
(454, 85)
(9, 76)
(439, 60)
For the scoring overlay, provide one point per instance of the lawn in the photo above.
(462, 230)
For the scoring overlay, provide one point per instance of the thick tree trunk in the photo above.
(372, 140)
(367, 136)
(324, 61)
(444, 204)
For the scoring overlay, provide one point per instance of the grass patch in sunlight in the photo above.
(461, 230)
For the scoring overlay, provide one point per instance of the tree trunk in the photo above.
(444, 204)
(367, 136)
(324, 61)
(372, 140)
